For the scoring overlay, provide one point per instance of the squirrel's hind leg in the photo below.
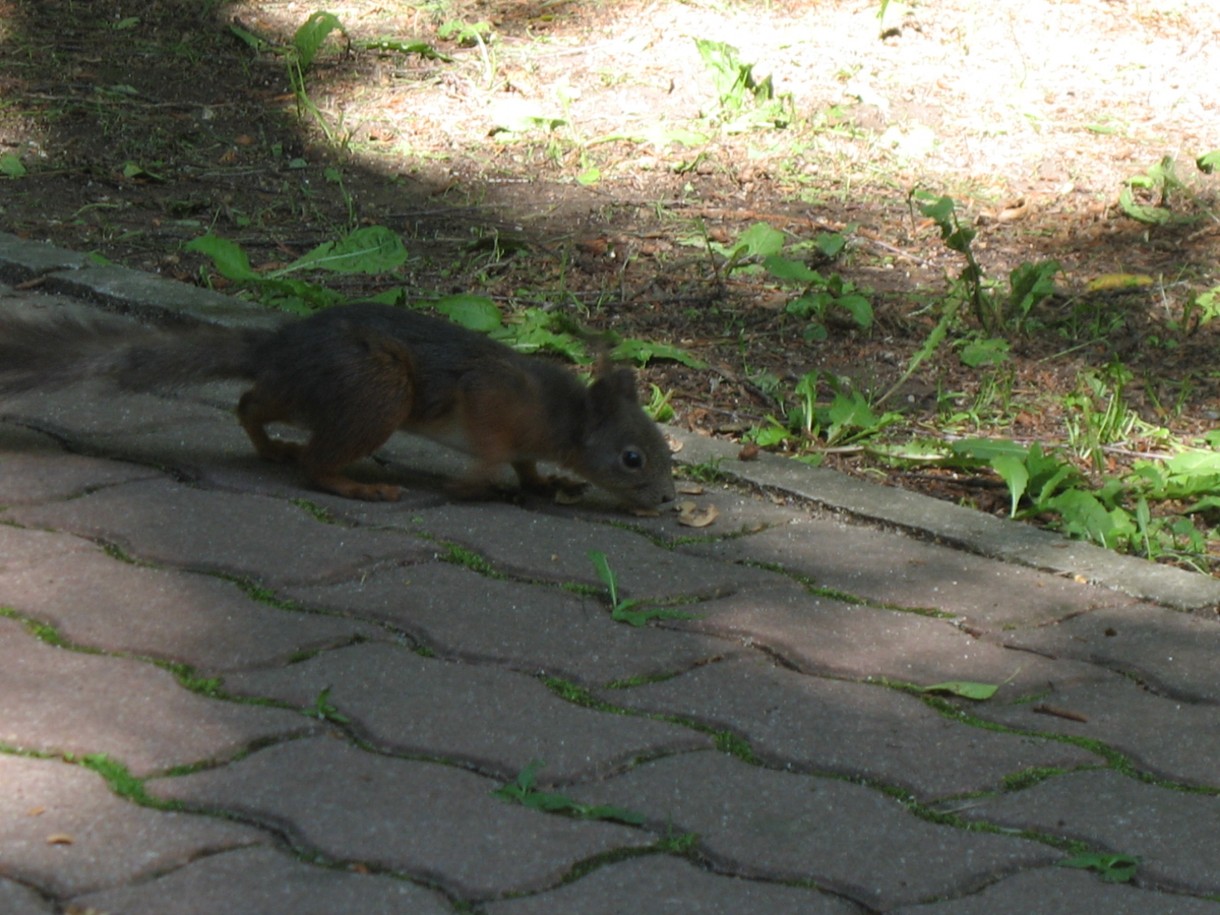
(333, 445)
(254, 412)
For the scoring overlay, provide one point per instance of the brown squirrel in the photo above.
(354, 374)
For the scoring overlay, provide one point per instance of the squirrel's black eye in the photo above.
(632, 459)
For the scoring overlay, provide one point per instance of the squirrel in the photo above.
(352, 375)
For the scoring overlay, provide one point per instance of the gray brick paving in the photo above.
(459, 613)
(864, 798)
(661, 885)
(209, 623)
(36, 469)
(267, 540)
(495, 720)
(62, 830)
(429, 821)
(1176, 834)
(828, 636)
(1060, 890)
(1128, 718)
(553, 548)
(16, 899)
(851, 729)
(1173, 651)
(58, 701)
(896, 569)
(262, 881)
(783, 826)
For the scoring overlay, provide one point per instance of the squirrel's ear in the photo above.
(612, 386)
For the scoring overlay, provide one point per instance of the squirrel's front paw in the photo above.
(557, 487)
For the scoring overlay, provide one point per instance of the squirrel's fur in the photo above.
(352, 375)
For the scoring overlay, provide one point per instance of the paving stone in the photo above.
(826, 636)
(34, 468)
(1055, 890)
(757, 822)
(262, 881)
(524, 544)
(899, 570)
(62, 701)
(420, 819)
(1175, 834)
(100, 602)
(63, 831)
(95, 413)
(15, 899)
(660, 885)
(495, 719)
(462, 614)
(19, 548)
(1133, 721)
(263, 539)
(1174, 651)
(852, 729)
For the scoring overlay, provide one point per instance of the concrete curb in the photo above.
(133, 292)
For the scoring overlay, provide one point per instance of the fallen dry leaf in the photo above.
(689, 489)
(748, 452)
(60, 838)
(690, 515)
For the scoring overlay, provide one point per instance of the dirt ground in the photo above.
(542, 163)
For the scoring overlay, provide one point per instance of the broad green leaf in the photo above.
(474, 312)
(938, 209)
(310, 36)
(830, 244)
(979, 692)
(643, 351)
(810, 305)
(532, 330)
(1013, 472)
(783, 268)
(759, 240)
(1084, 515)
(1194, 463)
(1208, 505)
(11, 166)
(860, 309)
(1209, 162)
(227, 256)
(370, 250)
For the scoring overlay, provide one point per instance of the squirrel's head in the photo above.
(623, 451)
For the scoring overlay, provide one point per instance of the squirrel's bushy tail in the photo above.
(42, 355)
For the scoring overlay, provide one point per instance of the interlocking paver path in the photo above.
(222, 692)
